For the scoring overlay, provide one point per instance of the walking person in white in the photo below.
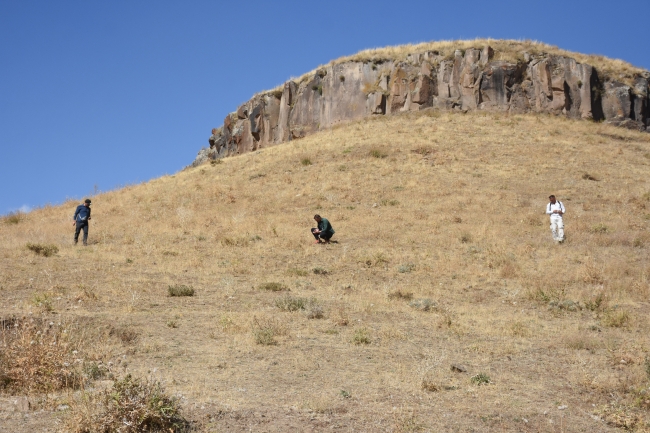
(556, 209)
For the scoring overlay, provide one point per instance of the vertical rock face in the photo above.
(469, 80)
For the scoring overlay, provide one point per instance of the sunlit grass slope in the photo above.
(444, 257)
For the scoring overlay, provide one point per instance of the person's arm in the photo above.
(548, 209)
(562, 210)
(88, 212)
(76, 212)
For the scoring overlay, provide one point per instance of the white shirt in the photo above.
(557, 206)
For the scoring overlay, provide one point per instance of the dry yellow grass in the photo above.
(444, 256)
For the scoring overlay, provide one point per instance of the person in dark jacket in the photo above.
(81, 218)
(324, 231)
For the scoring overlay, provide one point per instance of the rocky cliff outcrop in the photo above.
(467, 80)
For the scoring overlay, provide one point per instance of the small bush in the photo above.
(430, 386)
(216, 161)
(400, 294)
(180, 290)
(480, 379)
(131, 406)
(43, 250)
(361, 336)
(598, 303)
(272, 287)
(342, 78)
(315, 311)
(297, 272)
(466, 238)
(124, 334)
(320, 271)
(376, 153)
(14, 218)
(425, 304)
(305, 161)
(44, 301)
(405, 269)
(96, 370)
(587, 176)
(616, 318)
(599, 228)
(290, 303)
(265, 331)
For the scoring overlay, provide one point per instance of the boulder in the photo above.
(470, 79)
(616, 101)
(641, 92)
(306, 113)
(271, 118)
(286, 103)
(498, 84)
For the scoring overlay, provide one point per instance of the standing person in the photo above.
(555, 209)
(81, 217)
(324, 231)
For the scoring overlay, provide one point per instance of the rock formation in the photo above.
(469, 80)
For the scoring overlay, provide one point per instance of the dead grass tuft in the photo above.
(43, 249)
(272, 287)
(14, 218)
(38, 355)
(180, 290)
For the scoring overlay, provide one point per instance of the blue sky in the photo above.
(97, 95)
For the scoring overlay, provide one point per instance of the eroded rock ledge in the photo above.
(469, 80)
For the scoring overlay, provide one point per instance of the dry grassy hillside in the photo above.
(444, 257)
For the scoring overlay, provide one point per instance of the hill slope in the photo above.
(444, 257)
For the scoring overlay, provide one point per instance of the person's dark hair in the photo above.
(316, 216)
(551, 196)
(87, 201)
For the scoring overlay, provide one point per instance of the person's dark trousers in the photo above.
(81, 225)
(324, 236)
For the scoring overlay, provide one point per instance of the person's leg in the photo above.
(560, 230)
(85, 234)
(326, 237)
(554, 228)
(77, 229)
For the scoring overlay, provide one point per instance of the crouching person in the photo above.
(324, 231)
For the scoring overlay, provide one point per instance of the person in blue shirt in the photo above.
(324, 231)
(81, 218)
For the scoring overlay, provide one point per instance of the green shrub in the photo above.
(361, 336)
(43, 250)
(404, 269)
(425, 304)
(320, 271)
(599, 228)
(376, 153)
(305, 161)
(180, 290)
(480, 379)
(290, 303)
(616, 318)
(272, 287)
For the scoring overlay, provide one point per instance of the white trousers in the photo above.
(557, 228)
